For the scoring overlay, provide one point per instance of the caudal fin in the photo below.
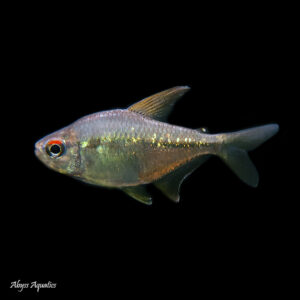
(235, 147)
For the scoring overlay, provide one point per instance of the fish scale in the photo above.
(149, 148)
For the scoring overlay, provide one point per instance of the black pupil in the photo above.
(55, 149)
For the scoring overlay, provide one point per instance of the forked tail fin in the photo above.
(235, 147)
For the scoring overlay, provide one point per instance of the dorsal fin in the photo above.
(158, 106)
(170, 184)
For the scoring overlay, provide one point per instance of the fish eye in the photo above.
(55, 148)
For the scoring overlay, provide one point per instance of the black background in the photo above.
(63, 63)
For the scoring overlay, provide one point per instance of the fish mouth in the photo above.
(38, 148)
(40, 153)
(37, 153)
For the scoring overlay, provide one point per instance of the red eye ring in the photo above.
(58, 142)
(55, 148)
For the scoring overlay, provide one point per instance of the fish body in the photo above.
(130, 148)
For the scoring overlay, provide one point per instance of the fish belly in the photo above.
(119, 166)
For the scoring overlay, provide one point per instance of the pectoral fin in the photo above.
(170, 184)
(159, 106)
(138, 193)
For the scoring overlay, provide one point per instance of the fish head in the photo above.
(60, 151)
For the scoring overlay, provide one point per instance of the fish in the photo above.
(131, 148)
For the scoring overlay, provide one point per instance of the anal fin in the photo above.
(170, 184)
(138, 193)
